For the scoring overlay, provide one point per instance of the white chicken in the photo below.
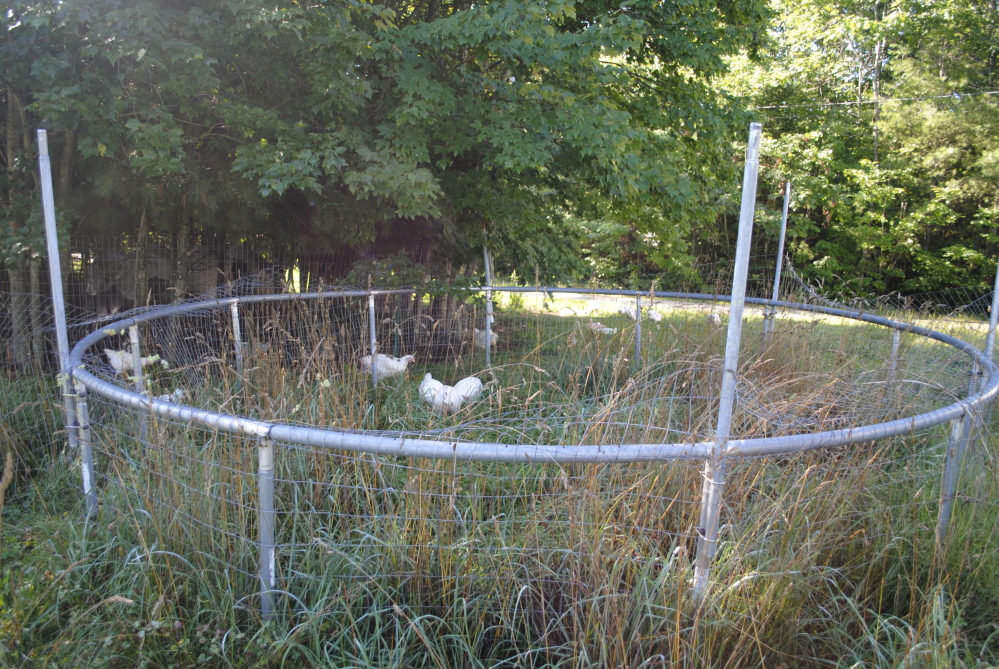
(449, 399)
(175, 397)
(655, 316)
(714, 320)
(123, 361)
(479, 338)
(629, 310)
(600, 328)
(387, 366)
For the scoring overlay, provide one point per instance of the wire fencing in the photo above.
(568, 370)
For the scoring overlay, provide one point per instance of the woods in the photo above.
(884, 116)
(583, 139)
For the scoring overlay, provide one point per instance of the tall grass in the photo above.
(826, 558)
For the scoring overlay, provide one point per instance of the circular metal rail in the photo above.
(528, 453)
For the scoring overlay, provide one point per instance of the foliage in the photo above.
(895, 187)
(358, 122)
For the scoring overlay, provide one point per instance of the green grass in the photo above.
(826, 558)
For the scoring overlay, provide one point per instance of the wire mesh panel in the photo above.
(569, 371)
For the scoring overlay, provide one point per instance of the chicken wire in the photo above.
(429, 529)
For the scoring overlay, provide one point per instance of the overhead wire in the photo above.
(955, 96)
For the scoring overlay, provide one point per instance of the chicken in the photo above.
(123, 361)
(387, 366)
(432, 390)
(479, 338)
(600, 328)
(449, 399)
(654, 315)
(629, 310)
(714, 320)
(175, 397)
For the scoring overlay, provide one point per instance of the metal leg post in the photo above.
(770, 313)
(373, 335)
(237, 342)
(133, 337)
(86, 451)
(960, 431)
(58, 300)
(638, 331)
(265, 522)
(489, 305)
(714, 469)
(896, 343)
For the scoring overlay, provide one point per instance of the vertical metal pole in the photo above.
(896, 344)
(265, 525)
(374, 341)
(489, 305)
(86, 451)
(771, 311)
(961, 430)
(714, 469)
(990, 338)
(638, 330)
(237, 340)
(58, 301)
(133, 337)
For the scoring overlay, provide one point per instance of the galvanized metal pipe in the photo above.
(960, 431)
(58, 300)
(487, 259)
(86, 451)
(265, 526)
(896, 344)
(770, 313)
(562, 454)
(990, 337)
(374, 338)
(237, 340)
(638, 331)
(714, 469)
(133, 338)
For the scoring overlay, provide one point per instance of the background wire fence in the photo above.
(565, 370)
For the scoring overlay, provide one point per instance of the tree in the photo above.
(892, 193)
(356, 122)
